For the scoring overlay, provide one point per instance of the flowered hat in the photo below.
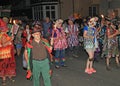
(58, 21)
(71, 18)
(36, 23)
(5, 19)
(93, 21)
(3, 26)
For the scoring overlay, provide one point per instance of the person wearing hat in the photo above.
(59, 43)
(90, 44)
(39, 60)
(110, 46)
(7, 60)
(72, 35)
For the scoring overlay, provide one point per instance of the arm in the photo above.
(109, 35)
(27, 58)
(6, 40)
(26, 55)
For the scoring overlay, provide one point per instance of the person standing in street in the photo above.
(47, 23)
(40, 63)
(90, 44)
(59, 42)
(7, 59)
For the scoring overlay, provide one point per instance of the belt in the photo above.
(40, 59)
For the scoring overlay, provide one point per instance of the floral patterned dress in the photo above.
(60, 41)
(73, 36)
(89, 43)
(7, 60)
(110, 44)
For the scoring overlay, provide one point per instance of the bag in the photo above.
(29, 74)
(24, 62)
(51, 41)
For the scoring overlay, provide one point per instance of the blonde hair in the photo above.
(5, 19)
(58, 21)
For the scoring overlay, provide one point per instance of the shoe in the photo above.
(88, 71)
(93, 70)
(57, 67)
(63, 65)
(29, 74)
(11, 79)
(108, 68)
(118, 66)
(3, 82)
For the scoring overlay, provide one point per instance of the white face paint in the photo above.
(95, 23)
(92, 24)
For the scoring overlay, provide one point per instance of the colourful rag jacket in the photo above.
(29, 48)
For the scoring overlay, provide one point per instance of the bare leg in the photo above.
(117, 60)
(91, 54)
(3, 81)
(89, 63)
(11, 79)
(18, 51)
(108, 62)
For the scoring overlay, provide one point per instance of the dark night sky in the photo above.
(8, 2)
(5, 2)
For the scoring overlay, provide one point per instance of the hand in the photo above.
(10, 43)
(91, 37)
(51, 41)
(50, 47)
(55, 26)
(12, 37)
(50, 72)
(0, 45)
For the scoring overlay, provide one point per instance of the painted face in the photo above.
(70, 22)
(27, 26)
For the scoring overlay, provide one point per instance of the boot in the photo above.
(108, 68)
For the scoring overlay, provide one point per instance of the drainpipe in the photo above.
(60, 7)
(73, 6)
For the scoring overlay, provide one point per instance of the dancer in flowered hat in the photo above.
(110, 46)
(59, 43)
(7, 61)
(90, 44)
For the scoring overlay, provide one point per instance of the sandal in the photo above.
(3, 82)
(12, 80)
(57, 67)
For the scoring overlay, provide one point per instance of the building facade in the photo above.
(45, 8)
(39, 9)
(5, 10)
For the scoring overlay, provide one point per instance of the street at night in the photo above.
(74, 74)
(59, 43)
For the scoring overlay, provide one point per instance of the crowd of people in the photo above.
(45, 42)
